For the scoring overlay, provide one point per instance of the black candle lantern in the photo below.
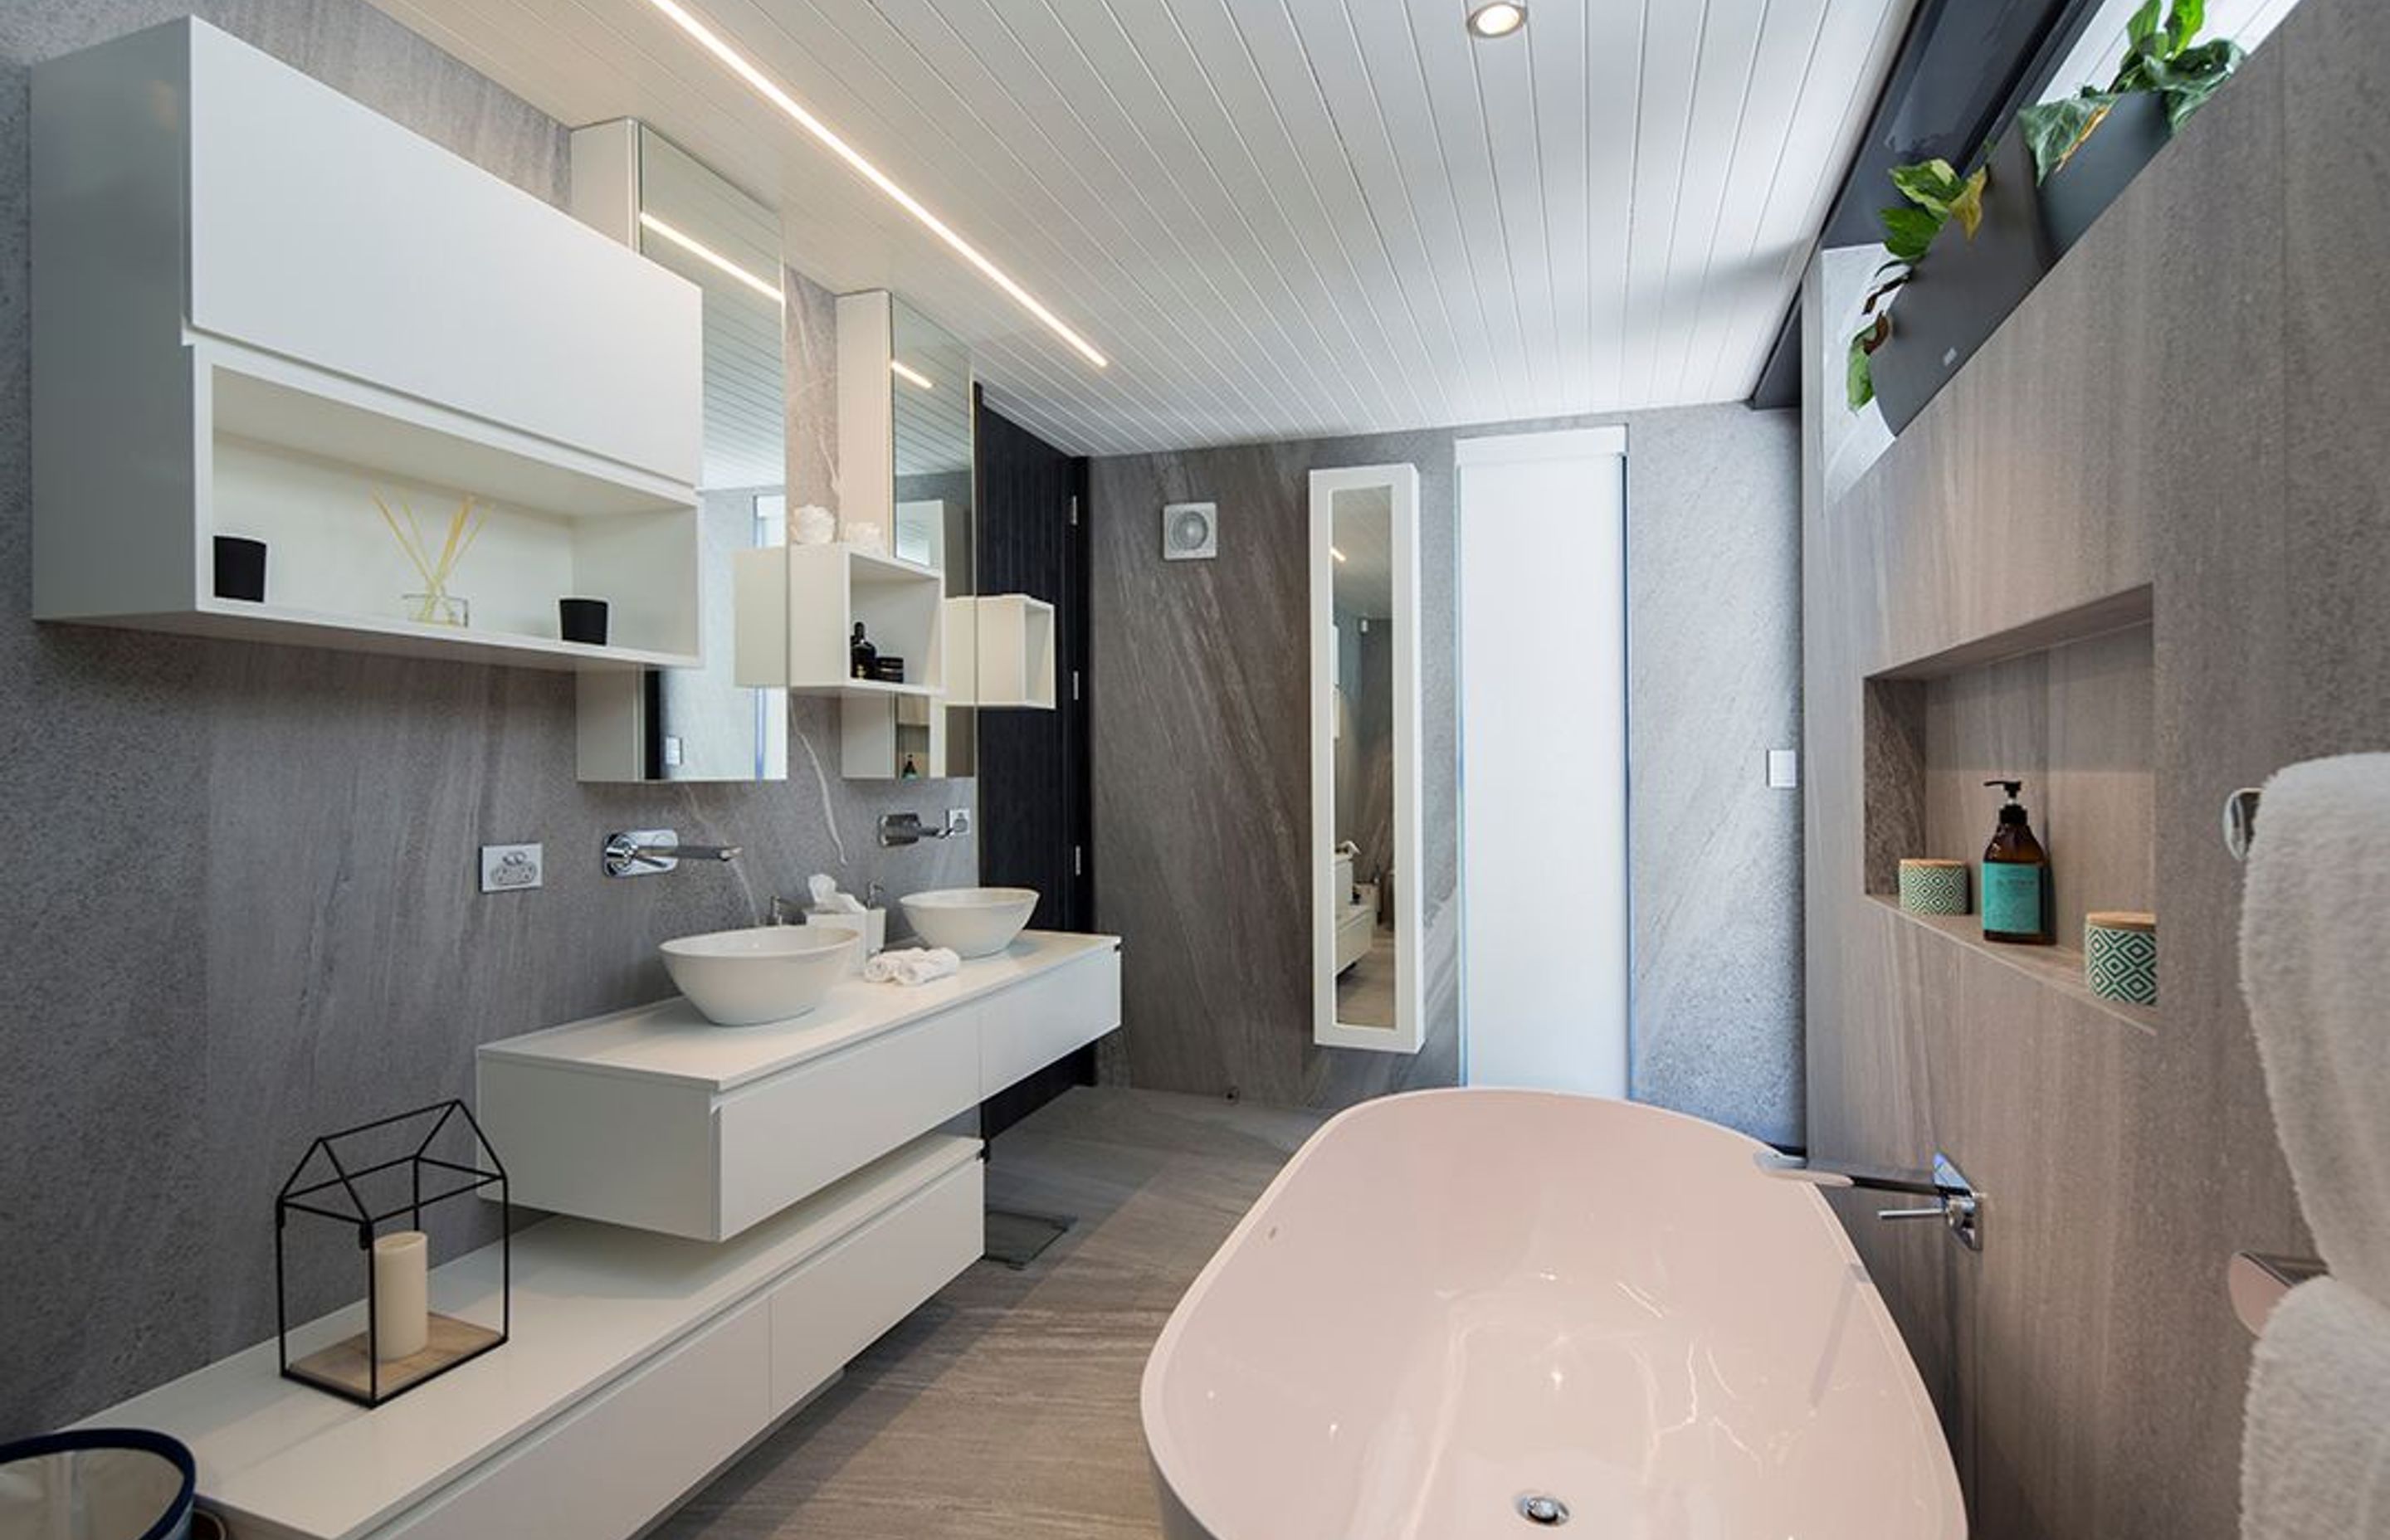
(340, 1182)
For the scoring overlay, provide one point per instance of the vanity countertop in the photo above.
(670, 1041)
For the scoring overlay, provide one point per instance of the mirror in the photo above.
(698, 725)
(935, 493)
(1364, 758)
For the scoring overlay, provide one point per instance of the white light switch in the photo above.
(1784, 769)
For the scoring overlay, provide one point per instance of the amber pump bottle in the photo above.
(2015, 882)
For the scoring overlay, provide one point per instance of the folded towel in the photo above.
(2317, 977)
(2315, 1454)
(911, 965)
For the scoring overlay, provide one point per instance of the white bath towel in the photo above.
(2315, 1454)
(2316, 970)
(911, 965)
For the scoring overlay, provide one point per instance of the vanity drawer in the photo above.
(1027, 1027)
(841, 1303)
(605, 1470)
(782, 1139)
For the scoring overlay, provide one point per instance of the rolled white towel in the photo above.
(911, 965)
(2315, 1454)
(2315, 975)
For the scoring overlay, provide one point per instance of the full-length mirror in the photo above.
(1365, 757)
(699, 725)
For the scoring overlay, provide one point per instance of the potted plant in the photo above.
(2088, 147)
(1954, 287)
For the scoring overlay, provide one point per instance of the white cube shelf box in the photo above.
(256, 315)
(798, 606)
(1014, 652)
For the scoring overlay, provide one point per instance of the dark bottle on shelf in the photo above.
(2014, 888)
(863, 656)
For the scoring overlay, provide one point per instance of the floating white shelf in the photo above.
(640, 1365)
(414, 329)
(1011, 643)
(798, 606)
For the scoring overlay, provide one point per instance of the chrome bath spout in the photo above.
(1956, 1201)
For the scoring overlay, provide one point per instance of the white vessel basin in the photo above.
(974, 922)
(769, 973)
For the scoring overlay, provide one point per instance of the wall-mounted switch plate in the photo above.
(511, 868)
(1784, 769)
(958, 821)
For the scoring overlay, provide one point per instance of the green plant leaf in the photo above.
(2054, 131)
(1859, 370)
(2144, 24)
(2183, 23)
(1908, 232)
(2192, 77)
(1931, 185)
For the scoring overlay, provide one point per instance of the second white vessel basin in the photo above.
(973, 922)
(746, 978)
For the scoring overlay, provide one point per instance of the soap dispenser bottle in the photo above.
(862, 656)
(2014, 888)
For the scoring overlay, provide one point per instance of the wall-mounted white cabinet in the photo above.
(258, 312)
(798, 606)
(1009, 638)
(652, 1118)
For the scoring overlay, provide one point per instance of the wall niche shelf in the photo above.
(798, 606)
(2055, 968)
(203, 368)
(1000, 652)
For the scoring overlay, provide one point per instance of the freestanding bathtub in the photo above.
(1455, 1313)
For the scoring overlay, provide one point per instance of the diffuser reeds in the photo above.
(435, 605)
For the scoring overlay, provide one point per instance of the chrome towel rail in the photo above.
(2258, 1282)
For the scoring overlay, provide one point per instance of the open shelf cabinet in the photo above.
(798, 606)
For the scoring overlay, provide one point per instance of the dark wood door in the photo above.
(1037, 810)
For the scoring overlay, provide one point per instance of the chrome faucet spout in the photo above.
(638, 853)
(1956, 1201)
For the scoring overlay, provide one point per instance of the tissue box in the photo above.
(871, 925)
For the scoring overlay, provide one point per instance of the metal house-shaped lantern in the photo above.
(404, 1343)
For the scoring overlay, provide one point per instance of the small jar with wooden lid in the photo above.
(2120, 956)
(1931, 887)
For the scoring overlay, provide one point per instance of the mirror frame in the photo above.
(1406, 1036)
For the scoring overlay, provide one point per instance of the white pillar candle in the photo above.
(402, 1280)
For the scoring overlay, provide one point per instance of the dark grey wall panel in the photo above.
(249, 913)
(1203, 766)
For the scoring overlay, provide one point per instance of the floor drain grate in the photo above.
(1537, 1507)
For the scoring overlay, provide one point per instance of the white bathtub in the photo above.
(1453, 1300)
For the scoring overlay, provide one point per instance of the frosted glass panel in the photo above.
(1543, 761)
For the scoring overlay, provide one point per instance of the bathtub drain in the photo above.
(1537, 1507)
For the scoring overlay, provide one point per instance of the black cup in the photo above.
(582, 621)
(241, 568)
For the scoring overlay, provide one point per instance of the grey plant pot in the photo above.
(2103, 167)
(1964, 288)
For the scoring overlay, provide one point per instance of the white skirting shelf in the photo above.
(639, 1366)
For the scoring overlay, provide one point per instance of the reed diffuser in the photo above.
(435, 605)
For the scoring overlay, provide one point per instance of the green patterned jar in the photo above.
(1934, 887)
(2120, 957)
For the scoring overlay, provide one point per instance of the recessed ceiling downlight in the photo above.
(1496, 18)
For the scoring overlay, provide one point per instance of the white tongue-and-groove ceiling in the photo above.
(1279, 219)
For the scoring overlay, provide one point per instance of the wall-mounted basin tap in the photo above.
(1954, 1201)
(642, 851)
(906, 828)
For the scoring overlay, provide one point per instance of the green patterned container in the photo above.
(2120, 957)
(1934, 887)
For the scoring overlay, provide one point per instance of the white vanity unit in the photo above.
(656, 1118)
(259, 306)
(807, 1161)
